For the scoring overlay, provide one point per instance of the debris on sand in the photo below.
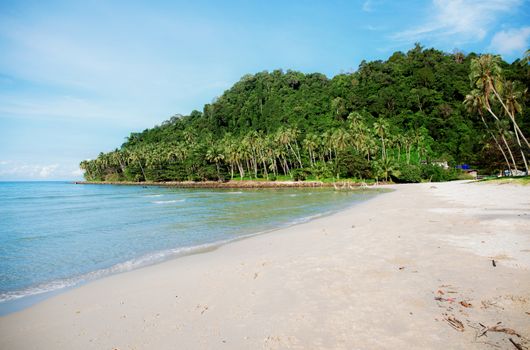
(465, 304)
(517, 346)
(451, 300)
(455, 323)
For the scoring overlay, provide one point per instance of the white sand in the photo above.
(364, 278)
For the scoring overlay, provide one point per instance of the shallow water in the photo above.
(55, 235)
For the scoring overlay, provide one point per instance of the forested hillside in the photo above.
(397, 118)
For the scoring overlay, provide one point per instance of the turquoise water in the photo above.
(55, 235)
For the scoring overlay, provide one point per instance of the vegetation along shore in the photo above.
(414, 117)
(232, 184)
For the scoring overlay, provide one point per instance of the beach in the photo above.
(426, 266)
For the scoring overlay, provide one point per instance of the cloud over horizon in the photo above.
(16, 170)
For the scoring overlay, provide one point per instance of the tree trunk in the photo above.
(512, 117)
(496, 141)
(241, 170)
(510, 152)
(522, 151)
(142, 168)
(503, 138)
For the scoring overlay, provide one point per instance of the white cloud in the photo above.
(458, 20)
(47, 170)
(367, 6)
(17, 170)
(510, 41)
(77, 173)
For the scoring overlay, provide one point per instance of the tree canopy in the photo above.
(391, 117)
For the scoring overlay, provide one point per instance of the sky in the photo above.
(77, 77)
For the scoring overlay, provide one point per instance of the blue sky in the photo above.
(76, 77)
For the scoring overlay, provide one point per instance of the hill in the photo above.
(398, 117)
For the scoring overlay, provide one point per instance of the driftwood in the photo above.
(455, 323)
(517, 346)
(500, 329)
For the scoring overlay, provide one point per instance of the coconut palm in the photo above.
(380, 128)
(507, 135)
(408, 142)
(340, 139)
(214, 154)
(137, 156)
(229, 150)
(310, 143)
(474, 104)
(513, 93)
(293, 145)
(486, 76)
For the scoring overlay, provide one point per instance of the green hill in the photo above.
(389, 118)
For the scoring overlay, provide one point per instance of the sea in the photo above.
(58, 235)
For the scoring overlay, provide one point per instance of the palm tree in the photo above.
(504, 130)
(357, 130)
(249, 146)
(474, 104)
(408, 141)
(87, 166)
(311, 143)
(137, 155)
(327, 145)
(340, 140)
(513, 92)
(262, 145)
(293, 145)
(214, 154)
(271, 154)
(384, 167)
(230, 152)
(486, 76)
(380, 127)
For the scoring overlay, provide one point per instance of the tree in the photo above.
(380, 128)
(486, 76)
(475, 104)
(406, 109)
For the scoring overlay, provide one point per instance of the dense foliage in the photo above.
(396, 118)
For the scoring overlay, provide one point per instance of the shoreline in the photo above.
(248, 184)
(369, 276)
(20, 302)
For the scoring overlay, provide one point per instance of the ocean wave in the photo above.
(152, 195)
(168, 201)
(142, 261)
(308, 218)
(38, 289)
